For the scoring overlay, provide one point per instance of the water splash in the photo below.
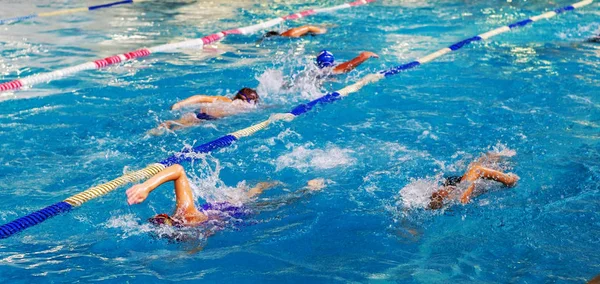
(303, 158)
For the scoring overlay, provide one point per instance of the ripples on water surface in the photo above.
(533, 91)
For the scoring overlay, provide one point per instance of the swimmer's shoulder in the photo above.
(222, 99)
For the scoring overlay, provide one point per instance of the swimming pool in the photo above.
(533, 91)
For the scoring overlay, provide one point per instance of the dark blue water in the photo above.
(532, 91)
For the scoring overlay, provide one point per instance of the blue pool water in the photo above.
(533, 91)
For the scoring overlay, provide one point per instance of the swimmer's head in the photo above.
(437, 198)
(268, 35)
(271, 33)
(164, 219)
(452, 181)
(248, 95)
(325, 59)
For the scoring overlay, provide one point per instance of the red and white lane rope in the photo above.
(197, 43)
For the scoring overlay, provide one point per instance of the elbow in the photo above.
(177, 168)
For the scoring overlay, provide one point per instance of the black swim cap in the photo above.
(271, 33)
(452, 180)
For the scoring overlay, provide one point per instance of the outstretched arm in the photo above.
(303, 30)
(183, 192)
(479, 172)
(185, 121)
(260, 187)
(350, 65)
(199, 99)
(312, 186)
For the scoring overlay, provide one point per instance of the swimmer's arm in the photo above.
(466, 196)
(260, 187)
(312, 186)
(350, 65)
(199, 99)
(139, 192)
(300, 31)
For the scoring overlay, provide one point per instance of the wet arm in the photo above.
(478, 172)
(260, 187)
(199, 99)
(466, 196)
(350, 65)
(300, 31)
(138, 193)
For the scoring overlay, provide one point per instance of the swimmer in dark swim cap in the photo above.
(296, 32)
(476, 171)
(325, 60)
(186, 213)
(212, 108)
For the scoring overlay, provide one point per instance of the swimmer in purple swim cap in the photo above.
(186, 213)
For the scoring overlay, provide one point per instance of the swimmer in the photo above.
(595, 39)
(326, 61)
(296, 32)
(476, 171)
(326, 67)
(214, 107)
(186, 213)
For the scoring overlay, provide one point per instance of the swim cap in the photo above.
(164, 219)
(325, 59)
(247, 94)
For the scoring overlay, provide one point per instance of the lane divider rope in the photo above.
(67, 11)
(37, 217)
(169, 47)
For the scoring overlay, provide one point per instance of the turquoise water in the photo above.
(533, 91)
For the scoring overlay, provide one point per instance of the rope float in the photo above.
(199, 42)
(37, 217)
(67, 11)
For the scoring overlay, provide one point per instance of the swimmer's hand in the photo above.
(368, 54)
(316, 184)
(136, 194)
(320, 31)
(157, 131)
(513, 179)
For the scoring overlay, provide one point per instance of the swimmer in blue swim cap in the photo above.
(187, 214)
(325, 62)
(211, 108)
(325, 59)
(476, 171)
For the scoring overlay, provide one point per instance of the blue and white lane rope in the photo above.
(37, 217)
(68, 11)
(483, 36)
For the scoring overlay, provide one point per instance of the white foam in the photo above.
(417, 193)
(270, 82)
(303, 158)
(207, 186)
(130, 224)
